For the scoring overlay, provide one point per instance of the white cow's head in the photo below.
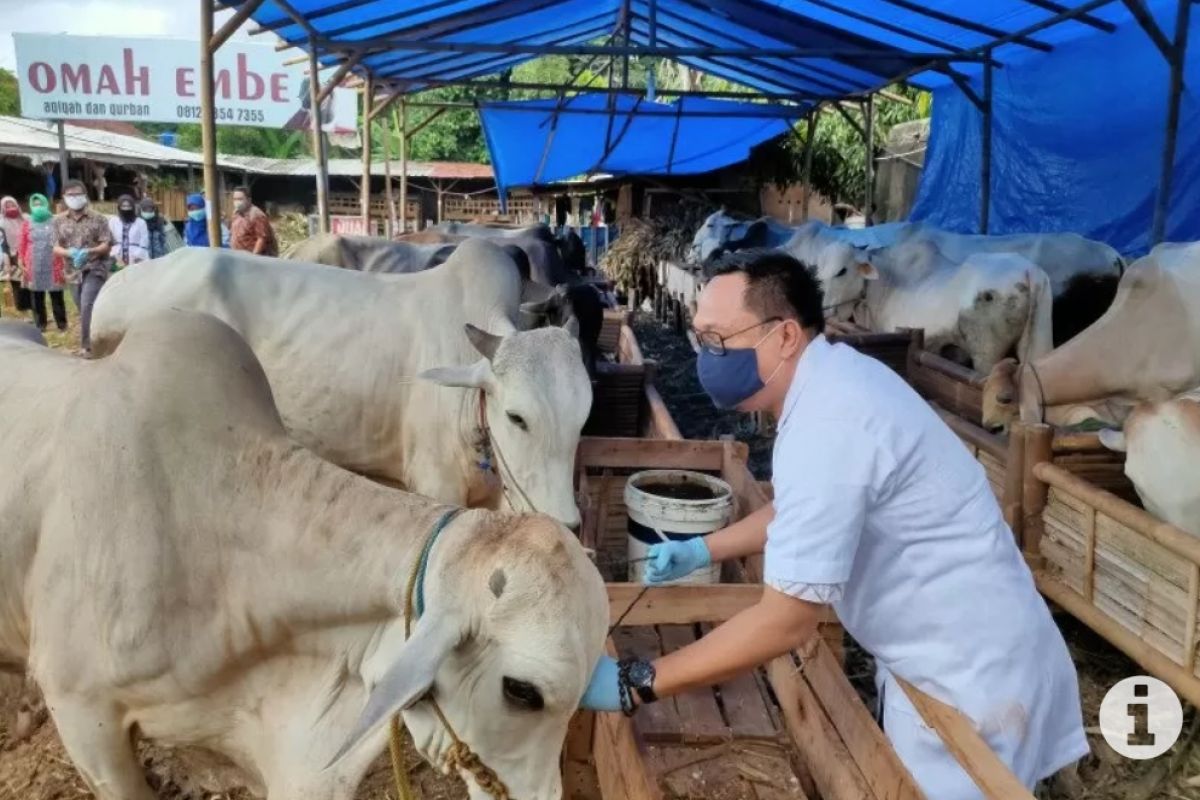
(1004, 306)
(714, 232)
(538, 397)
(514, 623)
(842, 279)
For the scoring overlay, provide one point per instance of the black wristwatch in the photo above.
(635, 675)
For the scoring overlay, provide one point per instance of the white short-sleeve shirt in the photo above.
(881, 511)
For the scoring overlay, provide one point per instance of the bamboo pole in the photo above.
(869, 145)
(318, 139)
(403, 167)
(389, 221)
(808, 160)
(1189, 633)
(1178, 51)
(368, 99)
(208, 125)
(1038, 439)
(974, 379)
(1013, 485)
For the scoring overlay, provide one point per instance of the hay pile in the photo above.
(290, 230)
(632, 260)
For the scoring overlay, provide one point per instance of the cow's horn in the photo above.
(486, 343)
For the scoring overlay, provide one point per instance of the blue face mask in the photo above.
(196, 214)
(731, 379)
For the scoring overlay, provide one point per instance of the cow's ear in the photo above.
(571, 326)
(1113, 440)
(407, 680)
(474, 376)
(868, 270)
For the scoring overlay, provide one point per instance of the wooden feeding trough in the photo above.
(624, 399)
(1129, 576)
(796, 729)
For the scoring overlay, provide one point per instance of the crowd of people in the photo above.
(44, 254)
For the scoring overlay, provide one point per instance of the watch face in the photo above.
(641, 673)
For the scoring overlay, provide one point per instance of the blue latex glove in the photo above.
(79, 257)
(603, 691)
(670, 561)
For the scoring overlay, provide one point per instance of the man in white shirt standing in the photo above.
(882, 513)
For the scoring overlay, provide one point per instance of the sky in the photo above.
(104, 18)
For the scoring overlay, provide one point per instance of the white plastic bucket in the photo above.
(674, 504)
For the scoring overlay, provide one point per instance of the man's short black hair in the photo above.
(777, 285)
(244, 190)
(74, 183)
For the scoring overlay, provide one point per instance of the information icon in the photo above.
(1141, 717)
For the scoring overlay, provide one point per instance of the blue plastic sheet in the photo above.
(550, 143)
(1077, 142)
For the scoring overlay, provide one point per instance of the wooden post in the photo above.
(318, 137)
(1189, 633)
(368, 104)
(441, 199)
(985, 164)
(808, 159)
(403, 167)
(208, 125)
(389, 217)
(1038, 448)
(64, 172)
(1014, 476)
(869, 144)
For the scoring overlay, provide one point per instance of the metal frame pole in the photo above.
(1163, 199)
(368, 102)
(869, 144)
(208, 125)
(808, 158)
(403, 166)
(985, 165)
(318, 138)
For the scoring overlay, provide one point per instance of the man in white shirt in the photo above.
(882, 513)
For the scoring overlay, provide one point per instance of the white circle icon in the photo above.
(1141, 717)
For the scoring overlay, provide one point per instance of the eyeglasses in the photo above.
(714, 342)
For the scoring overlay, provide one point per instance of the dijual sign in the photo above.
(158, 80)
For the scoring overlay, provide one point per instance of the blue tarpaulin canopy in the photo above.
(541, 141)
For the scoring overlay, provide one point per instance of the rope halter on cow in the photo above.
(506, 475)
(459, 756)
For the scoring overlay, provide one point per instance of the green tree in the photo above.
(238, 140)
(10, 104)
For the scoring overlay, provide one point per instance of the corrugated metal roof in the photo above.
(38, 141)
(352, 168)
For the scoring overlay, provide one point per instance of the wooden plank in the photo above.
(620, 767)
(699, 708)
(882, 769)
(657, 721)
(649, 453)
(833, 770)
(744, 705)
(683, 604)
(1155, 663)
(991, 775)
(948, 368)
(1089, 554)
(1189, 631)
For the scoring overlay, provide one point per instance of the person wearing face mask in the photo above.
(195, 230)
(11, 222)
(82, 238)
(45, 273)
(130, 236)
(163, 236)
(880, 512)
(251, 230)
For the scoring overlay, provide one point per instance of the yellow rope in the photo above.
(459, 756)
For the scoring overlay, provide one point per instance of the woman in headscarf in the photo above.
(195, 232)
(130, 236)
(11, 221)
(163, 236)
(44, 272)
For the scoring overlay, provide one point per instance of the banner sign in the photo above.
(158, 80)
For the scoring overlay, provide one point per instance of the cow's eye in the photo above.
(841, 272)
(523, 695)
(988, 297)
(518, 420)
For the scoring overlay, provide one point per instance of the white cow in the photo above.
(176, 568)
(719, 231)
(989, 305)
(375, 372)
(1161, 442)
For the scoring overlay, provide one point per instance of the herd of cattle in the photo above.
(1066, 331)
(205, 543)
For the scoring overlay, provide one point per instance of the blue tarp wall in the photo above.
(541, 146)
(1077, 142)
